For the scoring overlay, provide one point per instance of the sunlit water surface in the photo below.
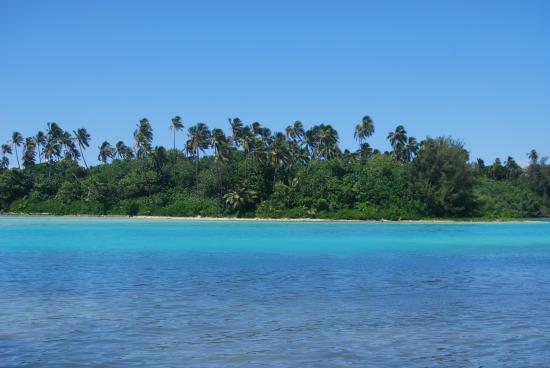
(80, 292)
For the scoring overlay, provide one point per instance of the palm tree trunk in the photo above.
(17, 156)
(82, 154)
(197, 172)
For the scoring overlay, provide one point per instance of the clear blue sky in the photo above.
(476, 70)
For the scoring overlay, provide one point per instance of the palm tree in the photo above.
(53, 147)
(218, 141)
(175, 126)
(236, 127)
(40, 141)
(411, 148)
(123, 151)
(365, 150)
(199, 136)
(398, 141)
(533, 156)
(325, 139)
(296, 132)
(256, 128)
(199, 140)
(71, 152)
(16, 141)
(83, 138)
(246, 140)
(29, 152)
(6, 150)
(159, 157)
(364, 129)
(143, 136)
(278, 153)
(105, 152)
(240, 199)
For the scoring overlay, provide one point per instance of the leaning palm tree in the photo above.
(364, 129)
(83, 138)
(175, 126)
(16, 141)
(105, 152)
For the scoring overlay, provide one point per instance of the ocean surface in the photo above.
(91, 292)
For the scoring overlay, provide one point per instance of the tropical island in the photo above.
(255, 172)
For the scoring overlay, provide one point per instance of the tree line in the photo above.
(254, 171)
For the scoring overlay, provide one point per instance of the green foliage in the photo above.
(441, 179)
(505, 199)
(257, 172)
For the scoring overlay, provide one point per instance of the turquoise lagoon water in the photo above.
(87, 292)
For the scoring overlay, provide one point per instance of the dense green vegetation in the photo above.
(256, 172)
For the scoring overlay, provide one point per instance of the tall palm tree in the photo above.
(105, 152)
(175, 126)
(83, 138)
(16, 141)
(40, 141)
(364, 129)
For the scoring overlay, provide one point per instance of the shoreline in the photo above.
(267, 219)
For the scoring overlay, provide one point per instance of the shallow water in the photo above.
(117, 293)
